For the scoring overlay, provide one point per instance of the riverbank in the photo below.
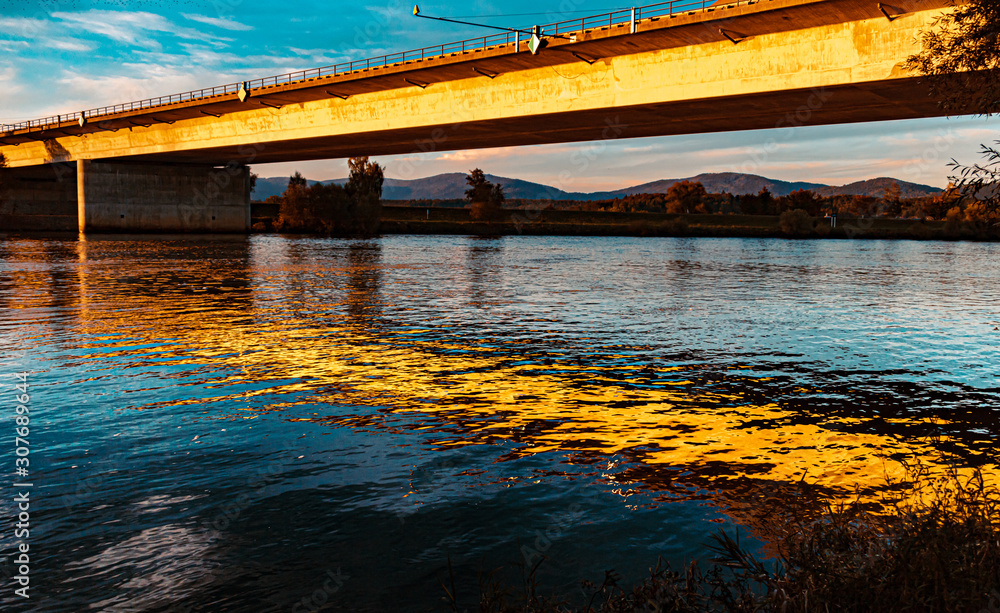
(447, 220)
(932, 545)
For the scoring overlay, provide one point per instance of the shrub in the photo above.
(686, 197)
(954, 223)
(331, 209)
(796, 222)
(931, 544)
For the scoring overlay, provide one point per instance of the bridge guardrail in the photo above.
(609, 19)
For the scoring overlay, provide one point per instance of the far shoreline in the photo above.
(457, 221)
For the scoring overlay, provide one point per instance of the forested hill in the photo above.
(452, 186)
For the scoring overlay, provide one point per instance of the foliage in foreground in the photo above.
(961, 51)
(933, 546)
(961, 54)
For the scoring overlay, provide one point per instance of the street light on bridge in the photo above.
(534, 43)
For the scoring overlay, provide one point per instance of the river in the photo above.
(278, 424)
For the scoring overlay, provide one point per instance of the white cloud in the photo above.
(130, 28)
(13, 45)
(473, 155)
(146, 80)
(321, 56)
(69, 44)
(8, 76)
(23, 27)
(219, 22)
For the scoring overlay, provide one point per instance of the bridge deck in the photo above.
(854, 99)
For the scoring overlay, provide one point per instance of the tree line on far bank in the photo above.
(690, 197)
(354, 208)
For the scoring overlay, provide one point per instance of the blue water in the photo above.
(279, 424)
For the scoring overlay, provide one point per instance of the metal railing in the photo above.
(603, 20)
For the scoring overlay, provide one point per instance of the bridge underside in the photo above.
(824, 105)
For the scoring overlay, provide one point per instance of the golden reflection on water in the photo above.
(659, 429)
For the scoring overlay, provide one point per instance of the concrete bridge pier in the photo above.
(40, 198)
(99, 196)
(157, 197)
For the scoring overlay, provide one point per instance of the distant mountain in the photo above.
(441, 187)
(452, 186)
(720, 182)
(270, 186)
(877, 187)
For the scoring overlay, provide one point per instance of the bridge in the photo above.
(180, 162)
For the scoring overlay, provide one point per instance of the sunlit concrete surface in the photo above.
(794, 63)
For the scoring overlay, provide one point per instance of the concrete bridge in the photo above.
(179, 163)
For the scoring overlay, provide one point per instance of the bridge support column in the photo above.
(38, 198)
(140, 197)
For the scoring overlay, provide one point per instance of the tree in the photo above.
(891, 205)
(861, 206)
(938, 206)
(295, 214)
(364, 187)
(796, 222)
(761, 204)
(961, 54)
(334, 208)
(355, 208)
(486, 198)
(686, 197)
(479, 187)
(960, 51)
(981, 182)
(803, 199)
(297, 180)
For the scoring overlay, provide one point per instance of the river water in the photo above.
(279, 424)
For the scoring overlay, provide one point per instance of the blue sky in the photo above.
(59, 56)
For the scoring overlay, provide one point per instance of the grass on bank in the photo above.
(454, 220)
(932, 544)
